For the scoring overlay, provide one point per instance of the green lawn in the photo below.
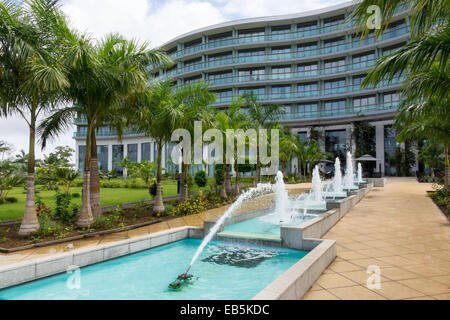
(109, 196)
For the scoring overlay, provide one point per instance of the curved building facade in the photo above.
(310, 63)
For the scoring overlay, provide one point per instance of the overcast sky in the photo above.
(156, 21)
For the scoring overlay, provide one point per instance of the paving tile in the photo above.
(395, 291)
(398, 261)
(356, 293)
(342, 266)
(445, 296)
(328, 281)
(427, 286)
(396, 273)
(320, 295)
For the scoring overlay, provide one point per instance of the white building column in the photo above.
(139, 155)
(379, 145)
(125, 153)
(110, 157)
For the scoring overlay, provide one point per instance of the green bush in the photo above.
(8, 200)
(48, 226)
(76, 195)
(153, 189)
(64, 210)
(218, 174)
(201, 179)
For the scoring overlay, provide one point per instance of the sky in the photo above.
(155, 21)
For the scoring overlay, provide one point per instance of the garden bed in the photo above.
(442, 200)
(115, 221)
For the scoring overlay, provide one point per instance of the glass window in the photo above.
(193, 43)
(132, 152)
(338, 105)
(192, 79)
(307, 67)
(364, 57)
(307, 107)
(281, 89)
(102, 156)
(332, 84)
(306, 46)
(357, 80)
(220, 37)
(333, 21)
(252, 74)
(251, 52)
(335, 143)
(117, 157)
(390, 146)
(307, 26)
(81, 156)
(313, 86)
(251, 33)
(220, 75)
(145, 151)
(281, 69)
(363, 101)
(333, 42)
(334, 63)
(281, 30)
(279, 50)
(391, 97)
(256, 91)
(303, 136)
(220, 56)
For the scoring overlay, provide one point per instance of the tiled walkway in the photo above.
(398, 229)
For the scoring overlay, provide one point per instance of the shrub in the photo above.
(64, 211)
(48, 226)
(76, 195)
(194, 205)
(152, 189)
(218, 174)
(41, 207)
(201, 179)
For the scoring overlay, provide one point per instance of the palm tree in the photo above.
(66, 176)
(431, 155)
(102, 76)
(263, 117)
(158, 116)
(424, 60)
(32, 77)
(288, 147)
(4, 148)
(195, 100)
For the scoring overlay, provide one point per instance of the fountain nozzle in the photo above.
(181, 279)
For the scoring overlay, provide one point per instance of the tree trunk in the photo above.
(185, 186)
(236, 185)
(223, 191)
(228, 185)
(447, 167)
(95, 179)
(158, 205)
(85, 219)
(30, 223)
(258, 166)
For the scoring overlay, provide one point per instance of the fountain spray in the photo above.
(245, 196)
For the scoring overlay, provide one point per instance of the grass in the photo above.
(109, 197)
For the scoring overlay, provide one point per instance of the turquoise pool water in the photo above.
(223, 271)
(263, 225)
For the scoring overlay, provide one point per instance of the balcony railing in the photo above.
(311, 93)
(341, 112)
(292, 55)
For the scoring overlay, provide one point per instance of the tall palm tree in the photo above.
(102, 75)
(263, 117)
(233, 118)
(158, 116)
(32, 78)
(424, 61)
(288, 147)
(195, 100)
